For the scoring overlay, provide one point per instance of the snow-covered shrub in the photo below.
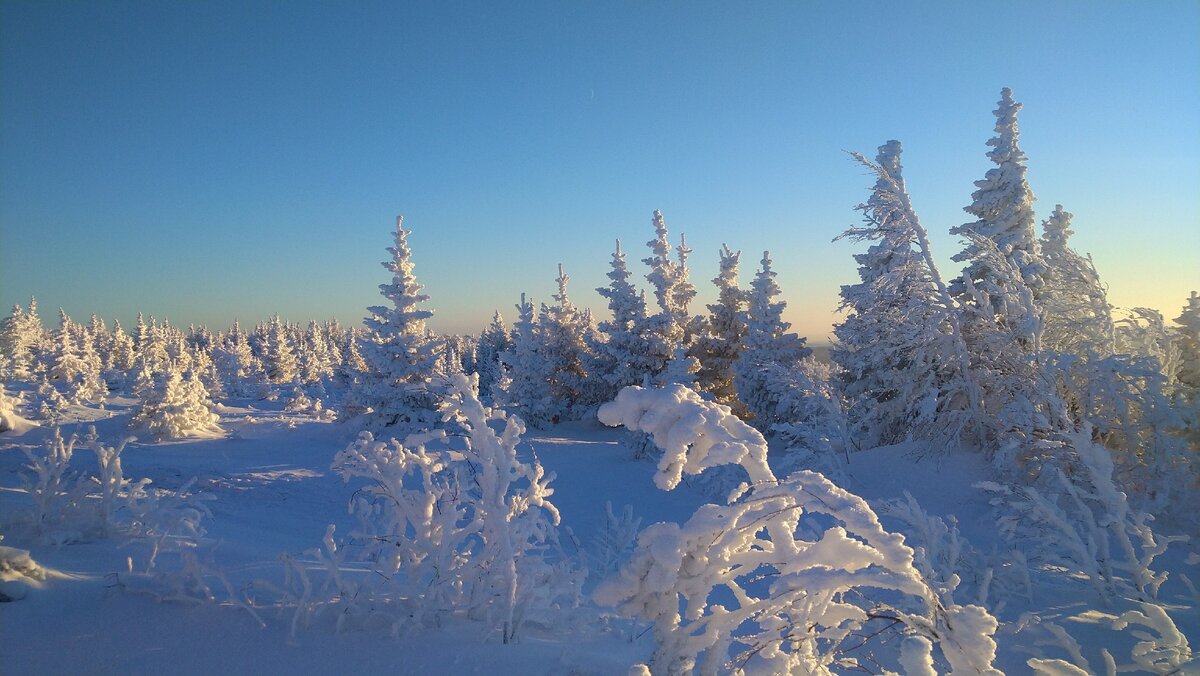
(613, 544)
(111, 481)
(756, 595)
(1074, 515)
(812, 416)
(1124, 399)
(170, 523)
(949, 563)
(52, 404)
(304, 599)
(468, 530)
(70, 505)
(177, 407)
(300, 402)
(58, 492)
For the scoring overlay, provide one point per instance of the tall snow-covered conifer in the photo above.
(1003, 206)
(565, 332)
(21, 338)
(896, 348)
(400, 355)
(493, 342)
(1188, 320)
(767, 343)
(719, 346)
(672, 327)
(1077, 316)
(631, 351)
(528, 369)
(280, 358)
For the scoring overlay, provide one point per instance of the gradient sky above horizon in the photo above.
(203, 161)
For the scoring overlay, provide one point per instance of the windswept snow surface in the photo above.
(275, 494)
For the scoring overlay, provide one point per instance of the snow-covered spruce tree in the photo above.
(1078, 317)
(739, 588)
(767, 343)
(719, 346)
(21, 337)
(1188, 342)
(1000, 287)
(151, 343)
(89, 385)
(815, 434)
(279, 358)
(123, 355)
(236, 362)
(203, 368)
(467, 531)
(315, 363)
(903, 362)
(1143, 332)
(1003, 205)
(1123, 400)
(98, 336)
(65, 363)
(672, 326)
(1001, 325)
(451, 360)
(75, 367)
(400, 355)
(352, 366)
(630, 351)
(493, 342)
(529, 391)
(565, 349)
(177, 407)
(1187, 373)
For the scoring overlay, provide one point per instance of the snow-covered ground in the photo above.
(275, 493)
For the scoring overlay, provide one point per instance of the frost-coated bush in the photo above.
(813, 415)
(69, 504)
(1075, 516)
(57, 491)
(177, 407)
(1124, 399)
(613, 544)
(738, 587)
(950, 564)
(468, 530)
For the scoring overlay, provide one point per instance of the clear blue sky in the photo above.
(206, 160)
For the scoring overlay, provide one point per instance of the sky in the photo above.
(205, 161)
